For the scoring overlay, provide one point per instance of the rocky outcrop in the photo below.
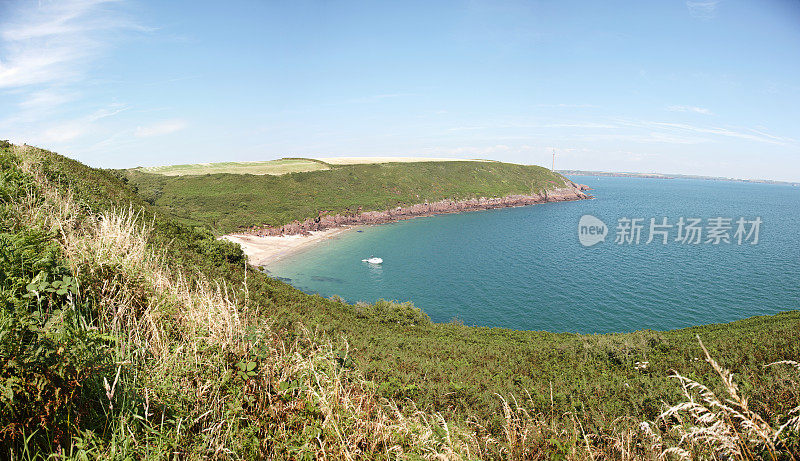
(571, 192)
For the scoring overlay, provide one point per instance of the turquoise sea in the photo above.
(524, 268)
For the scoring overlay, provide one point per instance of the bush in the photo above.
(394, 313)
(50, 374)
(219, 252)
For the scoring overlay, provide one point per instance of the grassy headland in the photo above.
(127, 334)
(226, 202)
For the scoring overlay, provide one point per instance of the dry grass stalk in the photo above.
(708, 424)
(358, 424)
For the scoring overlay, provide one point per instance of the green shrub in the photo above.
(394, 313)
(50, 376)
(220, 252)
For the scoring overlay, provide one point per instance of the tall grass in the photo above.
(722, 425)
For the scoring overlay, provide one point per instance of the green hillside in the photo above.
(226, 202)
(127, 335)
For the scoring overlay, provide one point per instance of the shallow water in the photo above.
(524, 268)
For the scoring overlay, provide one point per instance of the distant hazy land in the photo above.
(625, 174)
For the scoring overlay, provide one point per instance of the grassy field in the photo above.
(280, 166)
(125, 334)
(225, 202)
(271, 167)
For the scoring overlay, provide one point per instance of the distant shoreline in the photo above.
(625, 174)
(325, 222)
(264, 246)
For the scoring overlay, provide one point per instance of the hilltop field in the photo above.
(271, 167)
(126, 333)
(280, 166)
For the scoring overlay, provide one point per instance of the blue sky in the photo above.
(704, 87)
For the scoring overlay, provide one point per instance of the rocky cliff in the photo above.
(571, 192)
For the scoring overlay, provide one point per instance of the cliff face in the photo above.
(571, 192)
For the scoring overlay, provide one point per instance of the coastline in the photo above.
(265, 250)
(326, 222)
(265, 246)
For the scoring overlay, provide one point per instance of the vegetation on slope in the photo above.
(124, 334)
(226, 202)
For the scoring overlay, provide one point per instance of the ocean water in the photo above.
(525, 268)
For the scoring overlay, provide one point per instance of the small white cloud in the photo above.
(161, 128)
(64, 132)
(46, 99)
(80, 126)
(697, 110)
(703, 9)
(109, 111)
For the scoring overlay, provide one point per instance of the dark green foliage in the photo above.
(226, 202)
(29, 258)
(219, 252)
(386, 312)
(50, 376)
(50, 363)
(13, 181)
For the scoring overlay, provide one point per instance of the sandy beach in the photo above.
(262, 251)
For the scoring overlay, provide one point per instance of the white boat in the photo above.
(373, 260)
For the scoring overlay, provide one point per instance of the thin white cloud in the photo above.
(376, 98)
(53, 41)
(75, 128)
(639, 131)
(740, 133)
(467, 128)
(46, 51)
(106, 112)
(703, 9)
(570, 106)
(585, 125)
(34, 106)
(63, 132)
(161, 128)
(45, 99)
(653, 137)
(748, 134)
(695, 109)
(582, 125)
